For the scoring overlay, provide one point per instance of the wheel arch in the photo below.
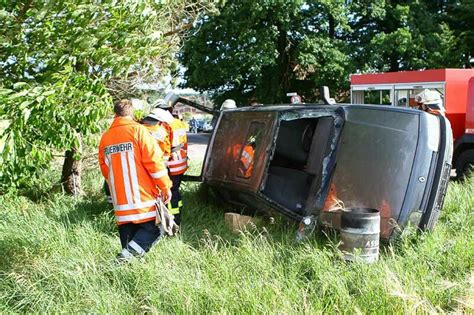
(466, 142)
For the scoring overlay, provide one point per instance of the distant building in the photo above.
(201, 99)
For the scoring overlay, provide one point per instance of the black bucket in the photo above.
(360, 233)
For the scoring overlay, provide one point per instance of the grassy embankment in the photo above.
(57, 256)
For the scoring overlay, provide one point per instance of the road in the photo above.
(197, 144)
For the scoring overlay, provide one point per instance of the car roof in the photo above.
(318, 107)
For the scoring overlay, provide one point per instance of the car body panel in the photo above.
(365, 156)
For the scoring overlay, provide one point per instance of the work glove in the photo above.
(165, 220)
(166, 196)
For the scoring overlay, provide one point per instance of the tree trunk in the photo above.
(394, 65)
(467, 60)
(332, 26)
(284, 69)
(71, 175)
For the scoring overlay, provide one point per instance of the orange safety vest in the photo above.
(132, 163)
(178, 162)
(161, 132)
(247, 160)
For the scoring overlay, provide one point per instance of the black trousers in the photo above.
(107, 192)
(176, 204)
(143, 234)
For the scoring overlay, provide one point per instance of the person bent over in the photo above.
(178, 160)
(132, 164)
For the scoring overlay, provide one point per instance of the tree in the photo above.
(61, 64)
(402, 35)
(460, 18)
(264, 49)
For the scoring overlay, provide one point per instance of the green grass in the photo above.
(57, 256)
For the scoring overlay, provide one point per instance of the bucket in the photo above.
(360, 232)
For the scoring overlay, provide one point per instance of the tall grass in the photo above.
(57, 255)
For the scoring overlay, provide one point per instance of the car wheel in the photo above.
(465, 163)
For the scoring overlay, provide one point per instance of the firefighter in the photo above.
(178, 161)
(132, 164)
(247, 158)
(157, 123)
(430, 101)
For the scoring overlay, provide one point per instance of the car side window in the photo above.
(249, 149)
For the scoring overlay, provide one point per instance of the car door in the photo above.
(239, 149)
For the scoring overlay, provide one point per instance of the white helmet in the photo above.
(160, 115)
(428, 97)
(228, 104)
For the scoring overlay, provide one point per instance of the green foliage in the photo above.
(403, 35)
(187, 116)
(460, 19)
(57, 257)
(106, 38)
(263, 50)
(266, 49)
(60, 64)
(45, 118)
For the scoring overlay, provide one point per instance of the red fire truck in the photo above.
(399, 89)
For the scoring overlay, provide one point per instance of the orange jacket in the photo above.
(246, 161)
(178, 162)
(161, 132)
(132, 164)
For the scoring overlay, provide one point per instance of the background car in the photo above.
(207, 126)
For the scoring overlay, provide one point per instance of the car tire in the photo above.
(465, 163)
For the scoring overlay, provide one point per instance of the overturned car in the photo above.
(310, 161)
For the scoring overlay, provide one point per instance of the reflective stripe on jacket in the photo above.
(247, 160)
(132, 163)
(178, 162)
